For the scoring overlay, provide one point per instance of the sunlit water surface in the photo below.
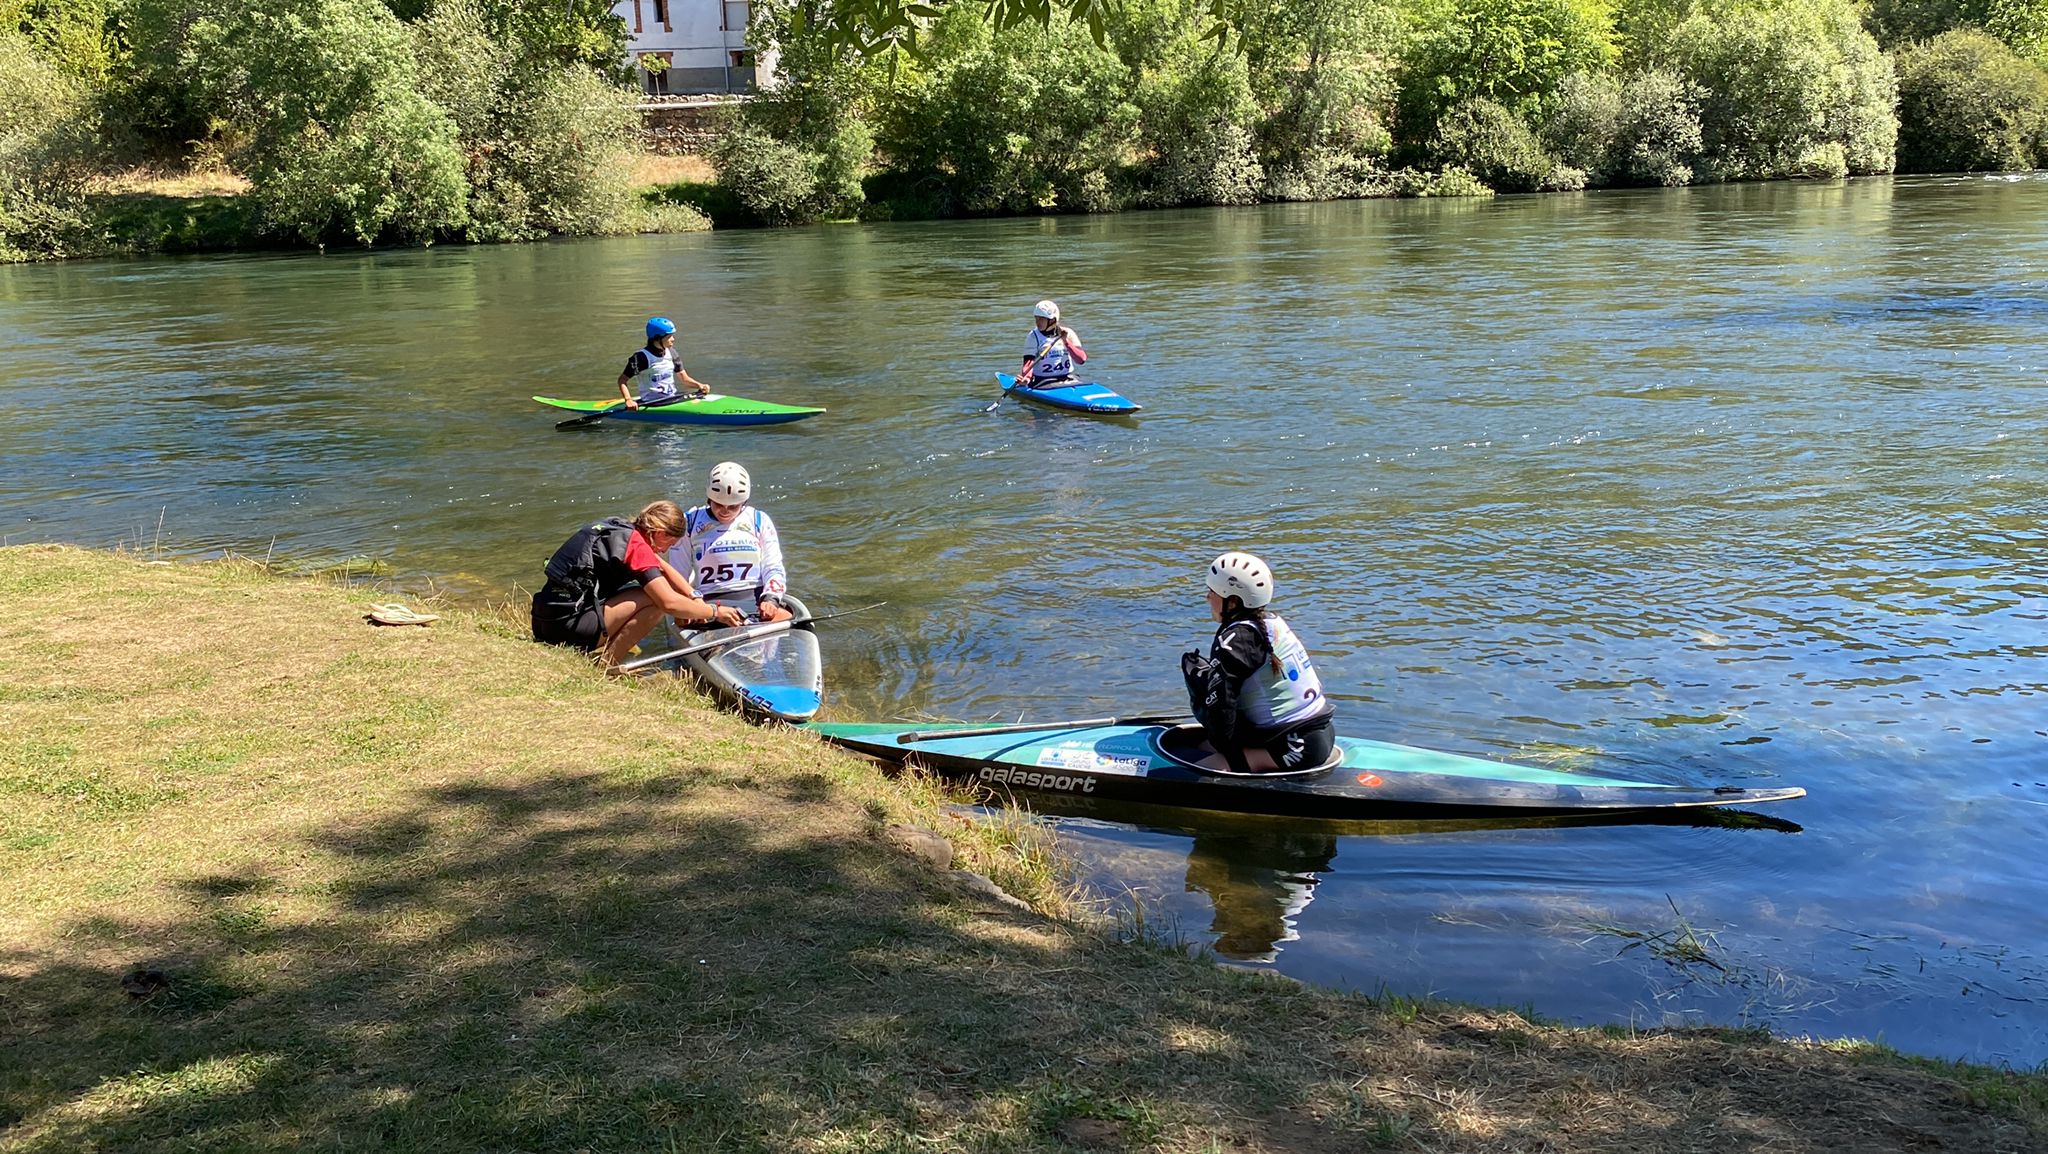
(1740, 485)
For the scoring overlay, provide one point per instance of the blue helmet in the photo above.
(660, 327)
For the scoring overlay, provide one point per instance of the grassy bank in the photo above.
(445, 889)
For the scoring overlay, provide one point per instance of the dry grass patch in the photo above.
(161, 182)
(652, 168)
(411, 889)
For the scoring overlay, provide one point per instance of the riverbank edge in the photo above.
(284, 877)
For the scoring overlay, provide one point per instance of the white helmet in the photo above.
(1048, 310)
(1242, 576)
(729, 484)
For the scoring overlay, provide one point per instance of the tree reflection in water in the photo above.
(1258, 886)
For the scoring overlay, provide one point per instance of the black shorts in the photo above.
(1303, 747)
(557, 623)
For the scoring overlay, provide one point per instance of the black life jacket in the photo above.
(590, 567)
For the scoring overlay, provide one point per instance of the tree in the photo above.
(1514, 53)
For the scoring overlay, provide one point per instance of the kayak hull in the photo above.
(1373, 780)
(712, 409)
(780, 676)
(1083, 397)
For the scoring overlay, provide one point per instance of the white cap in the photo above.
(730, 484)
(1242, 576)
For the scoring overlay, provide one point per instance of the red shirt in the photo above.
(642, 559)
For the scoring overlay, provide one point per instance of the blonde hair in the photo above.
(661, 517)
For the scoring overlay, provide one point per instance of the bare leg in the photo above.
(627, 618)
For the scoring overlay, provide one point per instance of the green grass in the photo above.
(444, 889)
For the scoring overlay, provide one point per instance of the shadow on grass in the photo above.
(574, 963)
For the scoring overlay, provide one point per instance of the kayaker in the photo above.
(1256, 695)
(1052, 350)
(654, 370)
(730, 551)
(608, 586)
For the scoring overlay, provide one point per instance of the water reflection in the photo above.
(1258, 886)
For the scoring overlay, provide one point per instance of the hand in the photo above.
(770, 611)
(727, 615)
(632, 405)
(702, 391)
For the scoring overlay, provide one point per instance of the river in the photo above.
(1742, 485)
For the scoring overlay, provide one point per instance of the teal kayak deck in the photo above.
(1374, 778)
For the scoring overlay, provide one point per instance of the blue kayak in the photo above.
(1078, 397)
(1154, 760)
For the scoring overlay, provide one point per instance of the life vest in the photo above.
(1272, 700)
(590, 567)
(1051, 359)
(656, 382)
(722, 560)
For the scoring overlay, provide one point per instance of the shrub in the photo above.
(1494, 145)
(1584, 120)
(1781, 83)
(1657, 133)
(46, 134)
(817, 106)
(1515, 53)
(1967, 103)
(1193, 118)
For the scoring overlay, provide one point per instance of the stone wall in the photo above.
(676, 127)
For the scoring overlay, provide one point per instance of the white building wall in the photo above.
(705, 40)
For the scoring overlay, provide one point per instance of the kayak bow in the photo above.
(1080, 397)
(1373, 779)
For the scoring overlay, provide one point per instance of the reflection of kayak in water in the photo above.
(1159, 763)
(1258, 886)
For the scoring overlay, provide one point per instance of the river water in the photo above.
(1739, 485)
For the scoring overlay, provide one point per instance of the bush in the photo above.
(1193, 118)
(1657, 133)
(1494, 145)
(774, 181)
(1516, 53)
(1967, 103)
(46, 134)
(1584, 120)
(340, 140)
(545, 144)
(1782, 83)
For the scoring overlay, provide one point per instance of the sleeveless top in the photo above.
(1051, 359)
(654, 374)
(1271, 700)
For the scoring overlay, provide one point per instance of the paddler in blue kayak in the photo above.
(1051, 352)
(654, 371)
(608, 586)
(729, 551)
(1255, 694)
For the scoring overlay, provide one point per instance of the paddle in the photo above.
(1088, 723)
(742, 633)
(601, 414)
(1025, 382)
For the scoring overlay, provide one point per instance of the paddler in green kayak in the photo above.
(1256, 694)
(1051, 351)
(608, 586)
(654, 371)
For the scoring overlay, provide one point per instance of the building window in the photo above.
(743, 59)
(734, 14)
(661, 14)
(636, 16)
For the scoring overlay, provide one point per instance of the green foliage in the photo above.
(1584, 118)
(46, 139)
(774, 180)
(1967, 103)
(1494, 145)
(545, 144)
(1322, 75)
(1657, 135)
(1195, 115)
(818, 109)
(1799, 89)
(1515, 53)
(76, 37)
(1025, 120)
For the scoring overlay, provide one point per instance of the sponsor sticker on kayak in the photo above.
(1032, 779)
(1090, 761)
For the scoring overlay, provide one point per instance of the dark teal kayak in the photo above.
(1075, 398)
(1161, 763)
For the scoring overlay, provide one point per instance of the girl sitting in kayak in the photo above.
(654, 370)
(731, 552)
(608, 586)
(1256, 695)
(1051, 352)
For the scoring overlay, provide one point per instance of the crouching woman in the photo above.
(1256, 695)
(608, 586)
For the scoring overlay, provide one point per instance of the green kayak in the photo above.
(711, 409)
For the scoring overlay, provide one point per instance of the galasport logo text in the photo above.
(1032, 779)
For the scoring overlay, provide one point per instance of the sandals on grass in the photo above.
(392, 613)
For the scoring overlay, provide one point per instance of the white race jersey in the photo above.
(725, 560)
(653, 374)
(1051, 359)
(1270, 699)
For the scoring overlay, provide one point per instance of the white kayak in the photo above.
(781, 675)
